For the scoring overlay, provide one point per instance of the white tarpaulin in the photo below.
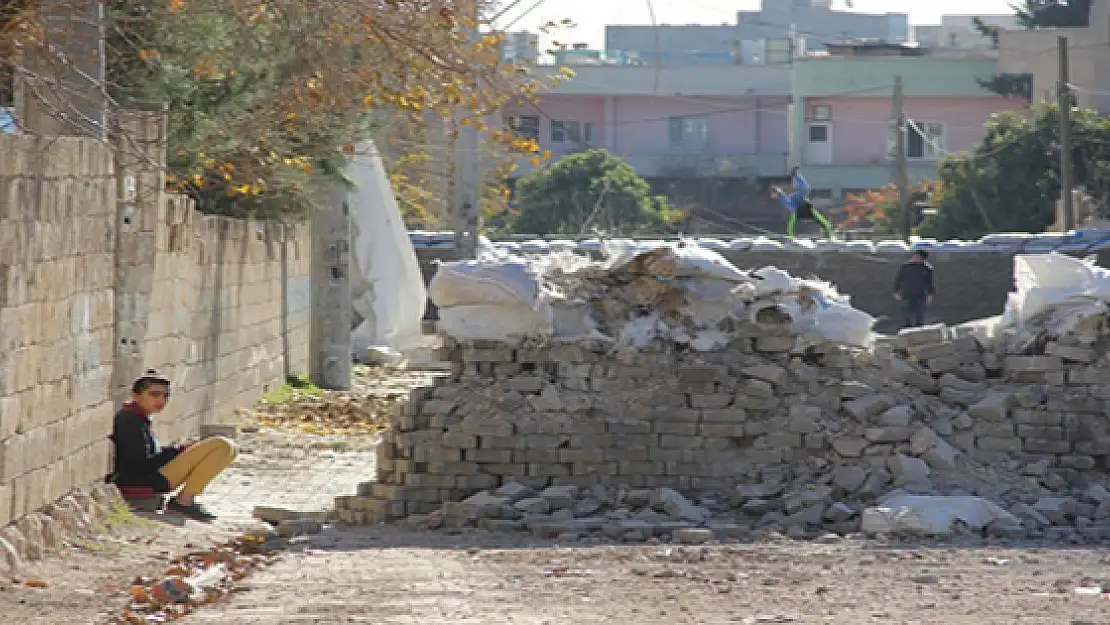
(387, 287)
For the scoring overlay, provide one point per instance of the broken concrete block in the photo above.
(533, 505)
(935, 333)
(676, 505)
(560, 496)
(1020, 364)
(1054, 509)
(766, 372)
(889, 434)
(995, 406)
(864, 408)
(850, 478)
(513, 491)
(898, 416)
(908, 470)
(850, 447)
(941, 456)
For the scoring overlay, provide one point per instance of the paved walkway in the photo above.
(292, 471)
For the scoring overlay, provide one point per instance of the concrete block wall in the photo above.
(938, 410)
(57, 252)
(102, 275)
(216, 313)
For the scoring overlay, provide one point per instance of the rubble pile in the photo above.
(777, 429)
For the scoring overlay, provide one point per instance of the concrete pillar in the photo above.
(330, 334)
(439, 167)
(140, 136)
(65, 98)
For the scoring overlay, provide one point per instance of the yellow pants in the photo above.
(198, 465)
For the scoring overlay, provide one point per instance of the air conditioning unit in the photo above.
(820, 113)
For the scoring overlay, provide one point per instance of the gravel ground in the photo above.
(387, 576)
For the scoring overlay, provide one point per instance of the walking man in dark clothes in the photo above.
(914, 288)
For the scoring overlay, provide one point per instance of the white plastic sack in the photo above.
(843, 324)
(1045, 280)
(931, 515)
(505, 282)
(693, 261)
(773, 280)
(493, 323)
(387, 286)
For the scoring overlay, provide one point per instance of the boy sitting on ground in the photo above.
(140, 463)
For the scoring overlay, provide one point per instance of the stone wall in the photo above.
(768, 433)
(216, 313)
(103, 275)
(57, 251)
(970, 285)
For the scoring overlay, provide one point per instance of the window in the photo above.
(689, 133)
(525, 126)
(571, 131)
(821, 113)
(925, 141)
(818, 133)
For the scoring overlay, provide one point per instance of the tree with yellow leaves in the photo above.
(268, 97)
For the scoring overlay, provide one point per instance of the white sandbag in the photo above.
(773, 280)
(1046, 280)
(843, 324)
(494, 322)
(693, 261)
(508, 282)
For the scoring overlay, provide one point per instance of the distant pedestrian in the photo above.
(914, 288)
(798, 205)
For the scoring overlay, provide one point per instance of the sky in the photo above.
(591, 16)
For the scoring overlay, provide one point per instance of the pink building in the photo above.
(719, 121)
(841, 125)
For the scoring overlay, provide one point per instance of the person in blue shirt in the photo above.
(799, 207)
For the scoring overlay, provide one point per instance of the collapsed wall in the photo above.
(757, 435)
(747, 417)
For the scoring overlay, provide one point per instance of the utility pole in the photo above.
(467, 179)
(329, 354)
(1063, 94)
(901, 167)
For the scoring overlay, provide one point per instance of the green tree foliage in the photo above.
(1053, 13)
(1011, 181)
(588, 192)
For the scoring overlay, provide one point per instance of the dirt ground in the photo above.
(386, 576)
(88, 581)
(389, 576)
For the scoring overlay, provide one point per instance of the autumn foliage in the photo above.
(877, 209)
(268, 98)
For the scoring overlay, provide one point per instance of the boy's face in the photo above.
(153, 399)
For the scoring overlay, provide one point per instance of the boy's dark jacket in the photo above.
(915, 281)
(138, 457)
